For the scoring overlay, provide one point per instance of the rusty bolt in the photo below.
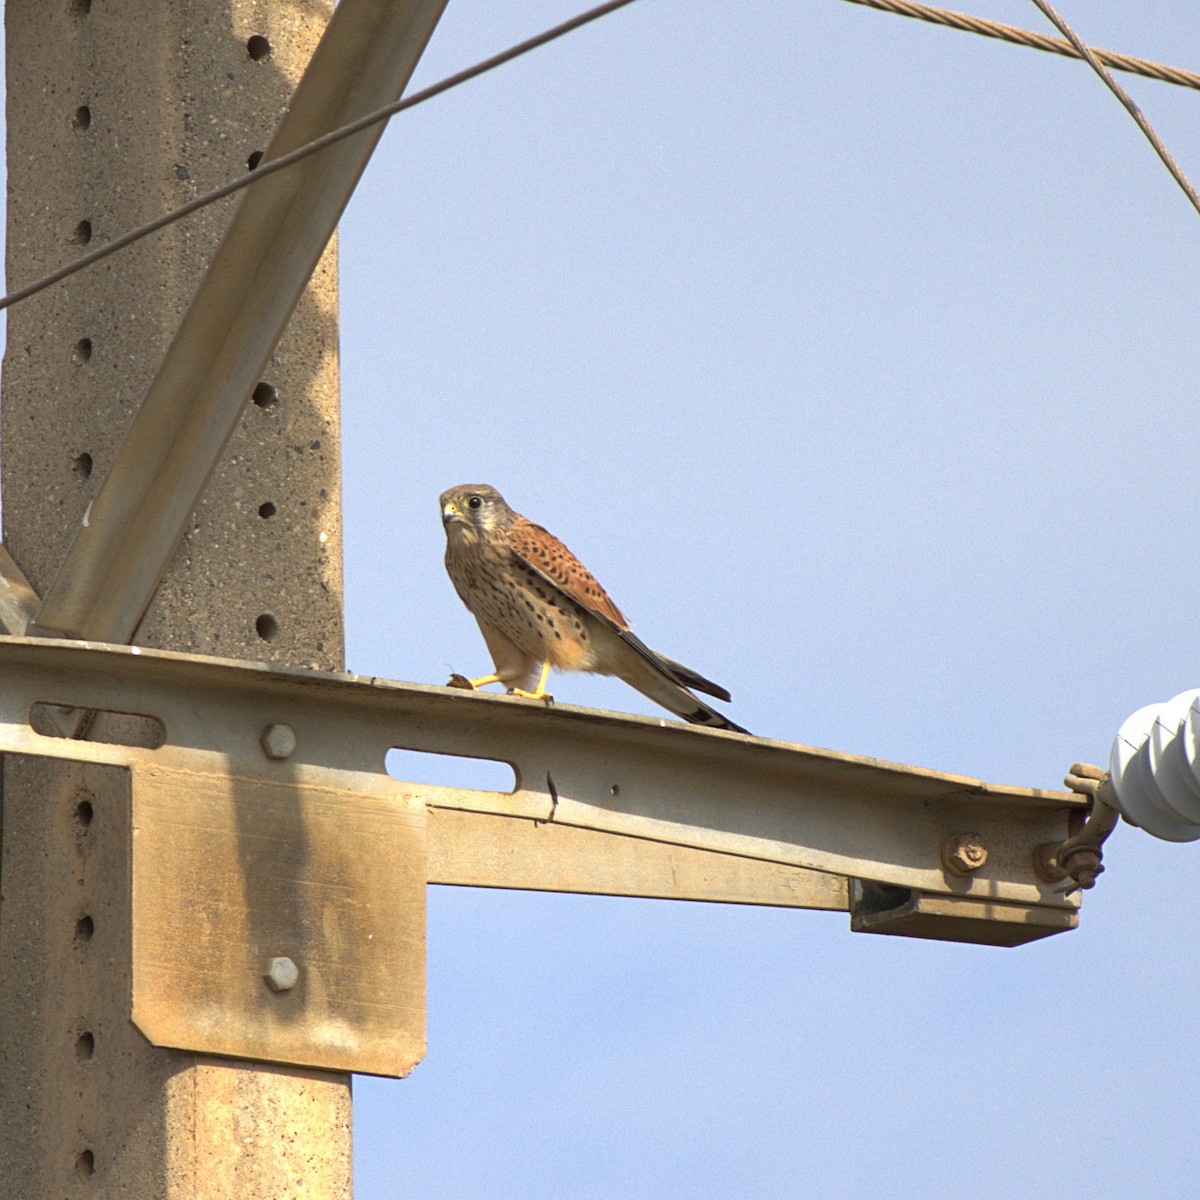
(278, 741)
(1045, 863)
(963, 853)
(1083, 864)
(281, 974)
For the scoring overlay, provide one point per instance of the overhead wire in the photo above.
(1117, 90)
(270, 166)
(1031, 39)
(1071, 47)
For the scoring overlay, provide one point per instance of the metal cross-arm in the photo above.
(267, 826)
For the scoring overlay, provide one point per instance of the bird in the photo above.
(538, 607)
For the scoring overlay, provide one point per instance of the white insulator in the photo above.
(1155, 768)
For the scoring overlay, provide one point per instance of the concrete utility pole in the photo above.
(117, 113)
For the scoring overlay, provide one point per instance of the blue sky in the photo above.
(856, 358)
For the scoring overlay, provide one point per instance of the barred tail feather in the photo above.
(692, 679)
(675, 670)
(660, 687)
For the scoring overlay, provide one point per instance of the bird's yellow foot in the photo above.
(469, 685)
(539, 692)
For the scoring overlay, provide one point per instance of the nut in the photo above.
(278, 741)
(281, 974)
(1083, 864)
(1045, 862)
(963, 853)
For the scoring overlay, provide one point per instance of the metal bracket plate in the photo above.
(233, 874)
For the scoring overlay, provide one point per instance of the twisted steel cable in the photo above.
(1035, 41)
(903, 8)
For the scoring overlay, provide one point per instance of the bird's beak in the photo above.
(451, 515)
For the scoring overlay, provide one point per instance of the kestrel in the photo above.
(539, 607)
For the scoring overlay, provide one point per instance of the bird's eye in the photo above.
(475, 502)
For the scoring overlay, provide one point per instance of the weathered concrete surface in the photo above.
(115, 114)
(89, 1107)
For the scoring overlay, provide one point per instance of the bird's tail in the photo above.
(692, 679)
(661, 683)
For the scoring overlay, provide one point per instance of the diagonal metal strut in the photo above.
(276, 237)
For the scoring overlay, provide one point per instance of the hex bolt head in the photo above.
(281, 974)
(963, 853)
(278, 741)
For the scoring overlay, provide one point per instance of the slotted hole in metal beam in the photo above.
(105, 726)
(449, 770)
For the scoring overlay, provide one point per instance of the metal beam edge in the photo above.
(621, 775)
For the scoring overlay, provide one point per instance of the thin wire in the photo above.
(1035, 41)
(1117, 90)
(1072, 48)
(328, 139)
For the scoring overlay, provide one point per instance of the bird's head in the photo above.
(474, 510)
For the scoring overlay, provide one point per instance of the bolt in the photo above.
(963, 853)
(278, 741)
(1083, 865)
(281, 974)
(1045, 863)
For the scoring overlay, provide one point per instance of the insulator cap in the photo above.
(1155, 768)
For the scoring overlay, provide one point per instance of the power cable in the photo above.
(1035, 41)
(328, 139)
(1117, 90)
(1071, 47)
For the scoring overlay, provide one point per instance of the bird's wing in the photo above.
(542, 552)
